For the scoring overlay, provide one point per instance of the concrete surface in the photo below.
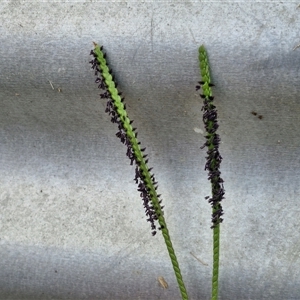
(72, 224)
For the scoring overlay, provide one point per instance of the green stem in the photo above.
(174, 261)
(216, 252)
(141, 162)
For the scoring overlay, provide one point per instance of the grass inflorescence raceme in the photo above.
(116, 108)
(213, 158)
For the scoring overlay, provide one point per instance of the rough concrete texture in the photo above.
(72, 224)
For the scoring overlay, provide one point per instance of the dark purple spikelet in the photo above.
(139, 178)
(213, 158)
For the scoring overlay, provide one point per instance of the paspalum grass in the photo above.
(147, 185)
(213, 161)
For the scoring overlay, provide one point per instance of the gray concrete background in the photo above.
(72, 224)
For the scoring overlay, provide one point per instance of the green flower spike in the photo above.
(213, 162)
(147, 185)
